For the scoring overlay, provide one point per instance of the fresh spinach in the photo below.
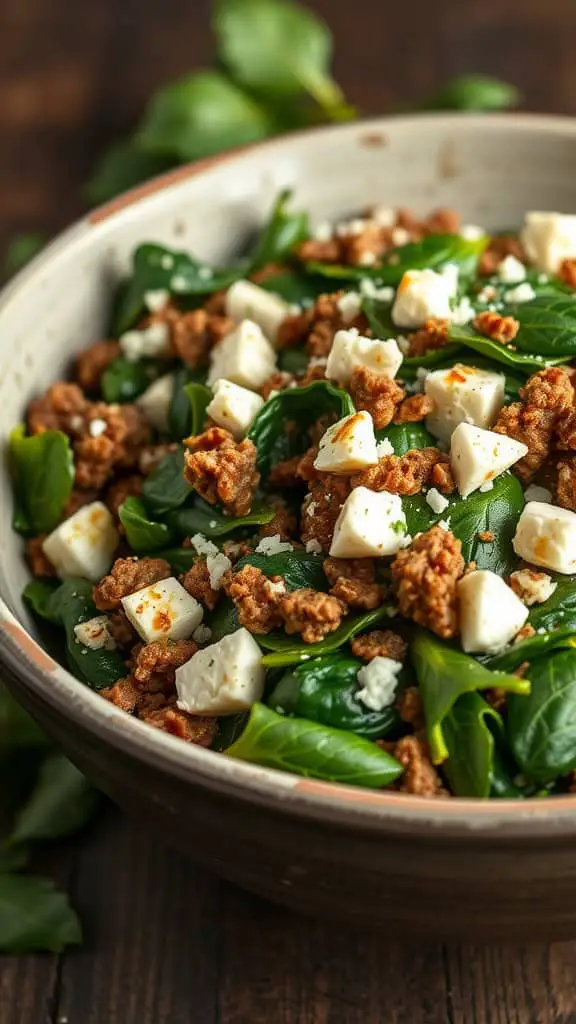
(295, 287)
(324, 690)
(197, 516)
(42, 469)
(199, 397)
(541, 727)
(142, 533)
(38, 595)
(471, 729)
(287, 650)
(301, 407)
(312, 750)
(433, 252)
(124, 381)
(18, 731)
(62, 802)
(21, 249)
(504, 354)
(444, 674)
(405, 437)
(293, 360)
(547, 325)
(180, 411)
(560, 608)
(35, 916)
(474, 92)
(166, 488)
(533, 647)
(281, 234)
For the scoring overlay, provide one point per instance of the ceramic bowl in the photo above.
(453, 868)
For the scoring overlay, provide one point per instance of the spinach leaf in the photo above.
(18, 731)
(324, 690)
(61, 803)
(312, 750)
(542, 726)
(470, 729)
(166, 488)
(142, 533)
(35, 917)
(405, 437)
(559, 609)
(199, 397)
(154, 267)
(474, 92)
(42, 469)
(557, 616)
(124, 381)
(287, 650)
(180, 411)
(38, 596)
(123, 166)
(444, 674)
(520, 361)
(197, 516)
(199, 115)
(283, 231)
(293, 360)
(179, 559)
(433, 252)
(547, 325)
(229, 729)
(71, 604)
(533, 647)
(496, 511)
(300, 406)
(295, 287)
(252, 42)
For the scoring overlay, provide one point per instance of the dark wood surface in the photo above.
(166, 943)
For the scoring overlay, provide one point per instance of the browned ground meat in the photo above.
(410, 707)
(401, 474)
(433, 335)
(317, 326)
(443, 221)
(61, 408)
(284, 524)
(414, 409)
(420, 776)
(441, 477)
(123, 694)
(126, 434)
(121, 630)
(377, 394)
(426, 575)
(351, 568)
(311, 613)
(128, 575)
(278, 381)
(39, 564)
(197, 582)
(497, 250)
(193, 334)
(257, 598)
(566, 486)
(545, 406)
(379, 644)
(285, 473)
(500, 328)
(221, 470)
(125, 487)
(306, 469)
(320, 513)
(77, 500)
(162, 658)
(189, 728)
(567, 272)
(357, 593)
(92, 363)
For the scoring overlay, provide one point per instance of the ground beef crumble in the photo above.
(414, 409)
(315, 327)
(197, 582)
(352, 580)
(92, 363)
(566, 485)
(379, 644)
(433, 335)
(497, 250)
(311, 613)
(257, 597)
(401, 474)
(378, 395)
(420, 776)
(39, 564)
(128, 575)
(545, 408)
(500, 328)
(425, 576)
(162, 657)
(192, 334)
(190, 728)
(222, 470)
(322, 508)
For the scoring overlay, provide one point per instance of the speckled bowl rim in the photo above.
(345, 806)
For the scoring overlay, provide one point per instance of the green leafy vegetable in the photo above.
(62, 802)
(444, 674)
(559, 609)
(42, 470)
(124, 381)
(180, 411)
(199, 397)
(533, 647)
(142, 533)
(38, 596)
(22, 249)
(405, 437)
(286, 650)
(434, 252)
(474, 92)
(18, 731)
(295, 287)
(324, 690)
(34, 916)
(299, 406)
(309, 749)
(470, 729)
(122, 167)
(283, 231)
(547, 325)
(542, 726)
(197, 516)
(166, 488)
(293, 360)
(520, 361)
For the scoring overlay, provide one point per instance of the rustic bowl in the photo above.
(454, 868)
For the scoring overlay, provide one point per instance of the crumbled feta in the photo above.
(223, 679)
(352, 228)
(383, 448)
(202, 545)
(546, 536)
(535, 493)
(511, 270)
(471, 232)
(369, 289)
(202, 634)
(400, 236)
(438, 503)
(156, 299)
(521, 293)
(533, 587)
(205, 273)
(84, 544)
(167, 261)
(404, 344)
(349, 306)
(350, 350)
(234, 407)
(444, 524)
(247, 301)
(147, 343)
(367, 258)
(276, 588)
(348, 446)
(244, 357)
(463, 394)
(323, 232)
(549, 238)
(423, 294)
(273, 545)
(488, 486)
(490, 612)
(370, 524)
(379, 682)
(97, 427)
(313, 547)
(487, 294)
(155, 402)
(383, 216)
(217, 565)
(463, 312)
(163, 611)
(477, 456)
(95, 634)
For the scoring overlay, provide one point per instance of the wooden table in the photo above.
(165, 942)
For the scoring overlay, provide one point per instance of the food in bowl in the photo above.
(318, 509)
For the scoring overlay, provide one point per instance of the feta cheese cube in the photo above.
(217, 566)
(148, 343)
(423, 294)
(351, 350)
(521, 293)
(477, 456)
(379, 682)
(463, 394)
(247, 301)
(370, 524)
(234, 407)
(224, 678)
(84, 544)
(471, 232)
(546, 536)
(244, 357)
(438, 503)
(532, 587)
(490, 612)
(511, 270)
(163, 611)
(155, 402)
(347, 446)
(95, 634)
(549, 238)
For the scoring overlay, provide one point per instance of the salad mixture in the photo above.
(317, 509)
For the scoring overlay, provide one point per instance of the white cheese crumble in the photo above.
(438, 503)
(384, 448)
(273, 545)
(463, 312)
(95, 634)
(511, 270)
(444, 524)
(488, 486)
(97, 427)
(202, 634)
(202, 545)
(522, 293)
(369, 289)
(323, 232)
(349, 306)
(379, 681)
(533, 587)
(217, 565)
(313, 547)
(149, 342)
(156, 299)
(471, 232)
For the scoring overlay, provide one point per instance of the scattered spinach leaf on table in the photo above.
(474, 93)
(35, 917)
(62, 802)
